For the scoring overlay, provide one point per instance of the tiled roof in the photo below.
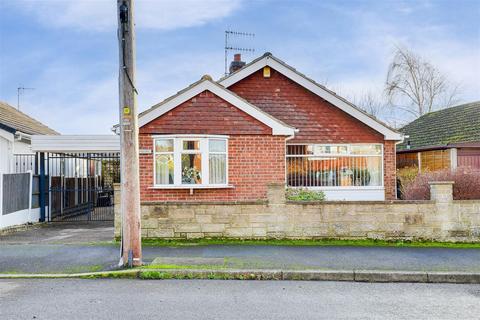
(441, 128)
(19, 121)
(313, 86)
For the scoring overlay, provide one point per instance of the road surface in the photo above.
(209, 299)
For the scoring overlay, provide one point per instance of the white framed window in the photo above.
(335, 165)
(190, 161)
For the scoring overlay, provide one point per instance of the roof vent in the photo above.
(237, 63)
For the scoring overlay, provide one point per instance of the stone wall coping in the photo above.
(440, 182)
(472, 201)
(216, 203)
(276, 184)
(361, 202)
(400, 202)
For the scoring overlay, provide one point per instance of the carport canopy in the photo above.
(76, 143)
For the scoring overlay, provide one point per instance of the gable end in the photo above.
(339, 102)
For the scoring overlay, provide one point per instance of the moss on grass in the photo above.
(175, 266)
(121, 274)
(169, 274)
(316, 242)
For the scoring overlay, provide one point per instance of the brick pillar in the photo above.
(116, 209)
(389, 170)
(276, 193)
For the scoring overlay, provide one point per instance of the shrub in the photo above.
(405, 177)
(301, 194)
(467, 184)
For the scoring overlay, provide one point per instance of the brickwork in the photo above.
(389, 170)
(254, 161)
(318, 120)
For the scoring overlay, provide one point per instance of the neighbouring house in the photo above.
(18, 186)
(16, 130)
(444, 139)
(263, 124)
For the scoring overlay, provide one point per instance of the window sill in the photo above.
(188, 187)
(341, 188)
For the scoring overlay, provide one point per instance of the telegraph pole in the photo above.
(130, 201)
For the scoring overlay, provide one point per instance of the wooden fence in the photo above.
(15, 192)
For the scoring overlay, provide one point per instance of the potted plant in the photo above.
(191, 175)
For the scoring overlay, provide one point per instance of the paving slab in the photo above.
(67, 248)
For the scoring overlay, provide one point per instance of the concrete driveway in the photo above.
(62, 233)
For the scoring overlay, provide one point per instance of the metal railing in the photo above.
(334, 171)
(24, 162)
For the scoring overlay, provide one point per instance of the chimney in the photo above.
(237, 63)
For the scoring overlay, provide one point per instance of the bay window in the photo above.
(335, 165)
(190, 161)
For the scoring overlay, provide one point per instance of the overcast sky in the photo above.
(67, 50)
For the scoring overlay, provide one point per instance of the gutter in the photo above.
(20, 136)
(293, 135)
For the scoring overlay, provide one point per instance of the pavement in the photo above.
(74, 248)
(197, 299)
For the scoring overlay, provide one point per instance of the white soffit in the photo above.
(278, 127)
(76, 143)
(269, 60)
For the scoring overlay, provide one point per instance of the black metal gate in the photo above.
(81, 186)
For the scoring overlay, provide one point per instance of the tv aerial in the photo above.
(231, 44)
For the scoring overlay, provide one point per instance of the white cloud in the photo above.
(374, 38)
(100, 15)
(75, 102)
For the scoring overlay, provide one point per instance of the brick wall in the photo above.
(254, 161)
(389, 170)
(256, 158)
(318, 120)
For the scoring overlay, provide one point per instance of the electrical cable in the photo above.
(124, 67)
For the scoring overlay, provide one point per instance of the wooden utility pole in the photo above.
(130, 202)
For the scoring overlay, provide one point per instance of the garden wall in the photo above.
(440, 219)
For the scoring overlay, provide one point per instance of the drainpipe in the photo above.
(286, 139)
(396, 143)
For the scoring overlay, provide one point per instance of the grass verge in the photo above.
(300, 242)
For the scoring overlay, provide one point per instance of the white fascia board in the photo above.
(278, 128)
(313, 87)
(245, 72)
(76, 143)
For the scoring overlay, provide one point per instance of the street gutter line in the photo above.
(255, 274)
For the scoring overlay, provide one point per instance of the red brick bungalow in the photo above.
(264, 123)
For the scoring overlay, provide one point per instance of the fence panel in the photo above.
(16, 192)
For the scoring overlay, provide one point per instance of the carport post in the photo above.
(41, 187)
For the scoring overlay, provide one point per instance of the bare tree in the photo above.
(415, 86)
(371, 103)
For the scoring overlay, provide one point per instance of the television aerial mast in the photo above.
(231, 40)
(20, 91)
